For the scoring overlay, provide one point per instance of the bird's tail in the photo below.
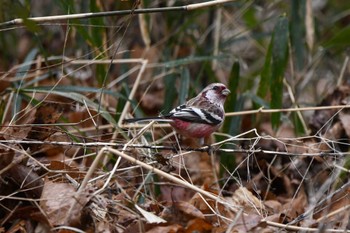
(158, 119)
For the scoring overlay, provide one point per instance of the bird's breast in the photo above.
(190, 129)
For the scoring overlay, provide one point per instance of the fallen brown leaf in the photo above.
(198, 225)
(56, 200)
(175, 228)
(246, 223)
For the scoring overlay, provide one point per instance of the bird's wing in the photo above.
(194, 114)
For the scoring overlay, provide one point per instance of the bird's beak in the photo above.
(225, 92)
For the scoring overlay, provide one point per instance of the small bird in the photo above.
(200, 116)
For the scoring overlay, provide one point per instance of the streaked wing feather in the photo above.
(196, 115)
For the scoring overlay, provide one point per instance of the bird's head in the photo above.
(216, 93)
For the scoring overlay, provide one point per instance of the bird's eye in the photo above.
(215, 88)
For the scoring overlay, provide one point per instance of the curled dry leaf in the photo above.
(181, 212)
(336, 209)
(27, 180)
(175, 193)
(273, 206)
(189, 209)
(198, 164)
(46, 114)
(242, 197)
(98, 209)
(209, 208)
(21, 129)
(56, 200)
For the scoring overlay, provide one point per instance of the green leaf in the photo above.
(124, 92)
(101, 74)
(249, 17)
(278, 66)
(31, 25)
(184, 85)
(298, 125)
(38, 78)
(3, 104)
(170, 92)
(340, 39)
(97, 31)
(231, 125)
(257, 100)
(297, 32)
(22, 72)
(265, 76)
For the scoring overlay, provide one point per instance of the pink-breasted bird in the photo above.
(200, 116)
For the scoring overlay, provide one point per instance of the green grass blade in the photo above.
(170, 92)
(22, 72)
(265, 76)
(74, 89)
(280, 41)
(184, 85)
(231, 124)
(298, 125)
(81, 99)
(297, 32)
(340, 39)
(189, 60)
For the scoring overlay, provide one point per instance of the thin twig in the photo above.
(296, 228)
(321, 203)
(83, 185)
(189, 7)
(171, 178)
(262, 110)
(207, 149)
